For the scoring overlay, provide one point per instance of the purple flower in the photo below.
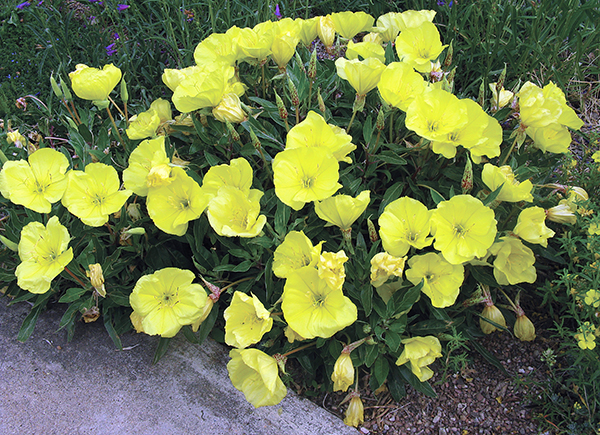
(110, 49)
(277, 11)
(121, 8)
(41, 2)
(115, 36)
(23, 5)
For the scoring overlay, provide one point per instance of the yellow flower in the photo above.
(172, 206)
(230, 109)
(388, 26)
(218, 48)
(410, 19)
(383, 266)
(312, 308)
(495, 315)
(514, 262)
(362, 75)
(96, 278)
(287, 36)
(343, 372)
(524, 329)
(400, 84)
(295, 252)
(314, 132)
(365, 50)
(93, 83)
(307, 30)
(420, 351)
(596, 156)
(166, 300)
(348, 24)
(238, 173)
(256, 374)
(148, 166)
(146, 124)
(464, 228)
(94, 194)
(512, 190)
(326, 30)
(232, 213)
(500, 98)
(246, 321)
(292, 335)
(342, 210)
(594, 229)
(256, 43)
(303, 175)
(331, 268)
(36, 184)
(355, 412)
(586, 338)
(547, 106)
(441, 280)
(489, 143)
(531, 226)
(553, 138)
(43, 253)
(405, 222)
(592, 298)
(419, 46)
(435, 114)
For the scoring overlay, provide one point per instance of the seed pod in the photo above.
(283, 113)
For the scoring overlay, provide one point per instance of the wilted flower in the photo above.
(383, 266)
(331, 268)
(295, 252)
(531, 226)
(464, 228)
(92, 195)
(495, 315)
(35, 184)
(230, 109)
(17, 138)
(96, 278)
(500, 98)
(343, 372)
(166, 300)
(312, 308)
(441, 280)
(420, 351)
(43, 253)
(512, 190)
(524, 329)
(355, 411)
(246, 321)
(256, 374)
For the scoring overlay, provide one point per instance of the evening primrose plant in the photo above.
(357, 233)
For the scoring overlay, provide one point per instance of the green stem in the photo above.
(351, 121)
(73, 275)
(512, 147)
(298, 349)
(115, 126)
(392, 127)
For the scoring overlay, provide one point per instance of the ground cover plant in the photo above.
(346, 190)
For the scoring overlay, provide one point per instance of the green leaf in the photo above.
(204, 329)
(393, 340)
(371, 352)
(422, 387)
(29, 323)
(161, 349)
(380, 370)
(396, 384)
(211, 159)
(72, 294)
(108, 324)
(403, 301)
(492, 196)
(368, 129)
(366, 298)
(282, 216)
(392, 158)
(392, 193)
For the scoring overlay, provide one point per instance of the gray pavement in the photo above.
(49, 386)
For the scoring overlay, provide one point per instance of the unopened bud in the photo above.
(495, 315)
(137, 231)
(312, 65)
(320, 101)
(467, 179)
(299, 62)
(55, 87)
(281, 360)
(373, 235)
(124, 93)
(448, 60)
(380, 123)
(481, 96)
(501, 79)
(293, 93)
(232, 132)
(65, 90)
(9, 244)
(283, 113)
(366, 328)
(255, 142)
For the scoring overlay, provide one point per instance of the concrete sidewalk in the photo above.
(49, 386)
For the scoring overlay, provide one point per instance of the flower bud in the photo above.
(448, 60)
(235, 136)
(380, 123)
(283, 113)
(55, 87)
(255, 142)
(320, 101)
(133, 210)
(481, 95)
(9, 244)
(65, 91)
(299, 62)
(124, 93)
(355, 412)
(500, 82)
(467, 179)
(561, 214)
(96, 278)
(373, 235)
(343, 372)
(312, 65)
(293, 93)
(524, 329)
(495, 315)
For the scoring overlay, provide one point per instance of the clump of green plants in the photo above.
(344, 211)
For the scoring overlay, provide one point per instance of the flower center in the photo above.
(459, 230)
(97, 200)
(308, 182)
(169, 299)
(432, 126)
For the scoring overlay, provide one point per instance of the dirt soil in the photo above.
(481, 399)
